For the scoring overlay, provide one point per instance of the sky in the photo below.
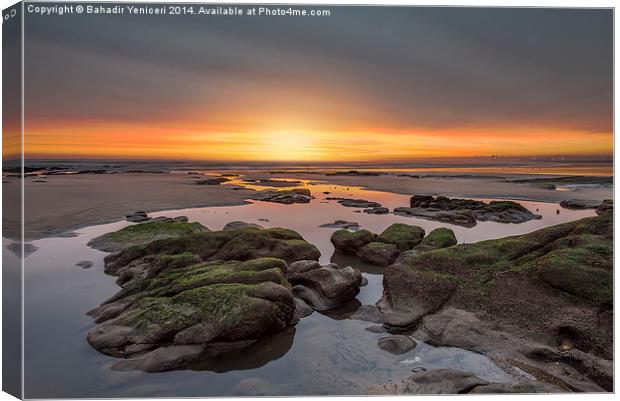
(364, 84)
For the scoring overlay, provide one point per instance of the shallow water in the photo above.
(321, 355)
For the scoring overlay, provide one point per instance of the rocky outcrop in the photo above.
(343, 224)
(552, 288)
(580, 204)
(377, 210)
(393, 243)
(450, 381)
(465, 212)
(144, 233)
(288, 197)
(350, 202)
(193, 297)
(324, 287)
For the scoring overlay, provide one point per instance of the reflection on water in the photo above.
(326, 353)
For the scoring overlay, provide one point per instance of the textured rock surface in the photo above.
(378, 253)
(144, 233)
(201, 294)
(297, 195)
(465, 212)
(549, 288)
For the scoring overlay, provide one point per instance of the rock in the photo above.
(458, 217)
(438, 381)
(364, 282)
(367, 313)
(404, 236)
(269, 182)
(350, 242)
(237, 225)
(378, 253)
(85, 264)
(181, 218)
(302, 266)
(404, 304)
(606, 206)
(212, 181)
(452, 327)
(578, 204)
(346, 225)
(137, 217)
(437, 239)
(302, 308)
(397, 344)
(554, 284)
(326, 287)
(377, 210)
(297, 195)
(359, 203)
(144, 233)
(466, 211)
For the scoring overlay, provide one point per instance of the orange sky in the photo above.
(368, 84)
(184, 141)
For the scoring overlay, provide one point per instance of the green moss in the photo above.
(143, 233)
(263, 264)
(439, 238)
(283, 233)
(404, 236)
(574, 257)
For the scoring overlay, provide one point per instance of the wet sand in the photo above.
(68, 202)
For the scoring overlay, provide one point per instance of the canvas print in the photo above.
(206, 200)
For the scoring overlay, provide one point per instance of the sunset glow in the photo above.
(176, 141)
(429, 84)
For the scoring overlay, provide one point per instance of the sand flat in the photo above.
(67, 202)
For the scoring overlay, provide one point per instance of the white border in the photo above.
(477, 3)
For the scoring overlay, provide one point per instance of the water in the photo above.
(321, 355)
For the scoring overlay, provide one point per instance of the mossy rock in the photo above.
(568, 265)
(438, 238)
(378, 253)
(349, 242)
(143, 233)
(404, 236)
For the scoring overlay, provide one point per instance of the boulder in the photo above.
(350, 242)
(144, 233)
(377, 210)
(326, 287)
(297, 195)
(580, 204)
(404, 236)
(378, 253)
(438, 238)
(236, 225)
